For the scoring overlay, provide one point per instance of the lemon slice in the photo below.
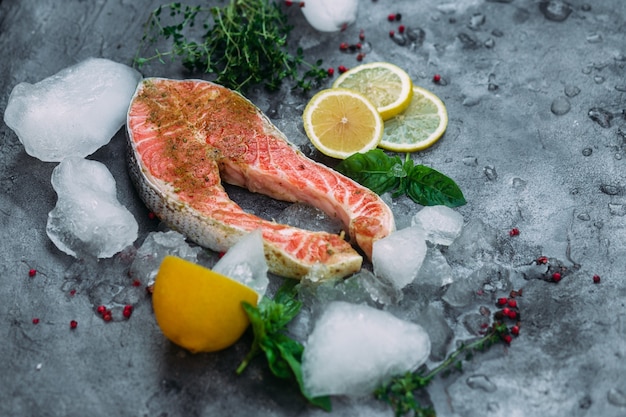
(419, 126)
(387, 86)
(197, 308)
(340, 122)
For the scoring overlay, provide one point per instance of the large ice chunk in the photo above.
(354, 348)
(88, 219)
(245, 262)
(398, 257)
(441, 224)
(74, 112)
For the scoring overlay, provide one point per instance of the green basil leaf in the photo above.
(277, 363)
(374, 170)
(429, 187)
(290, 306)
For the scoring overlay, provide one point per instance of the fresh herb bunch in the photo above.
(284, 354)
(400, 391)
(381, 173)
(244, 43)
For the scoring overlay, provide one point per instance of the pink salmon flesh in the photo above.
(186, 136)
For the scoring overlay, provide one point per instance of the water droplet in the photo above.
(587, 70)
(481, 382)
(585, 7)
(491, 83)
(416, 35)
(584, 217)
(610, 189)
(490, 172)
(519, 184)
(470, 161)
(618, 156)
(621, 88)
(399, 39)
(472, 100)
(594, 38)
(560, 106)
(476, 21)
(617, 210)
(585, 402)
(571, 91)
(555, 10)
(467, 41)
(598, 79)
(493, 407)
(601, 116)
(587, 151)
(490, 43)
(616, 397)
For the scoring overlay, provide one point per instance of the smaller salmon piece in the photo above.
(185, 137)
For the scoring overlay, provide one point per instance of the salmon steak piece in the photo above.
(187, 136)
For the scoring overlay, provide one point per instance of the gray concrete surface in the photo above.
(559, 178)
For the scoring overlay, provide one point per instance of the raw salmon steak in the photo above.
(186, 137)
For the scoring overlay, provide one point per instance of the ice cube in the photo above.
(398, 257)
(354, 348)
(74, 112)
(435, 270)
(88, 219)
(441, 224)
(154, 248)
(245, 262)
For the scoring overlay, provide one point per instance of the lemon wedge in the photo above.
(197, 308)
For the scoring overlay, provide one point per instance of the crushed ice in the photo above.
(88, 219)
(336, 362)
(73, 112)
(154, 248)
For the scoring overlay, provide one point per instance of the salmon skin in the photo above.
(186, 136)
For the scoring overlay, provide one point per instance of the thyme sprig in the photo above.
(243, 43)
(399, 393)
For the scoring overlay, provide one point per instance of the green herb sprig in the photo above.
(400, 391)
(244, 43)
(381, 173)
(283, 353)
